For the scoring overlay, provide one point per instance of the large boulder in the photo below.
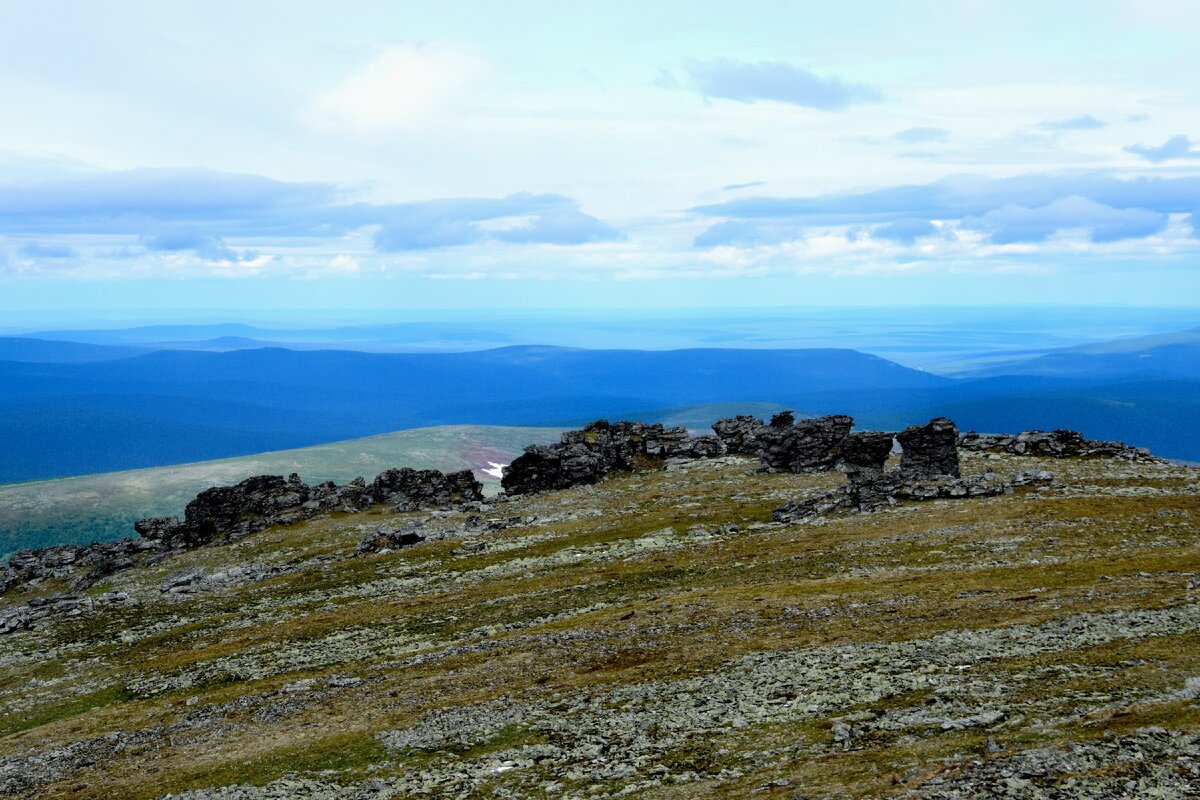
(810, 445)
(930, 450)
(739, 435)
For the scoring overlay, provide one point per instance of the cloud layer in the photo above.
(1029, 208)
(518, 218)
(1176, 147)
(750, 82)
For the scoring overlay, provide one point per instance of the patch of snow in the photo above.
(496, 470)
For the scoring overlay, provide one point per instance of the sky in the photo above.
(399, 155)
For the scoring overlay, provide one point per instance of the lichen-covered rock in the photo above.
(27, 616)
(739, 435)
(810, 445)
(930, 450)
(1059, 443)
(184, 581)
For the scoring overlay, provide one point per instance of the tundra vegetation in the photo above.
(658, 631)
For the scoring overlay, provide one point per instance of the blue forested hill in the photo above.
(1164, 356)
(14, 348)
(78, 417)
(170, 406)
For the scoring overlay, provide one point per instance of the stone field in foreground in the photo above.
(655, 635)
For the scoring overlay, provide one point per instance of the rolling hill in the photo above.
(100, 507)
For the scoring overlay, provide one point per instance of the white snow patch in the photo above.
(496, 470)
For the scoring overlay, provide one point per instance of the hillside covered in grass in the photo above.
(656, 634)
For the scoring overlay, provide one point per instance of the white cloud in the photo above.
(402, 86)
(344, 264)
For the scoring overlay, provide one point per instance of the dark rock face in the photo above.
(1059, 443)
(157, 528)
(587, 455)
(410, 489)
(231, 512)
(354, 496)
(930, 450)
(784, 419)
(811, 445)
(739, 435)
(864, 453)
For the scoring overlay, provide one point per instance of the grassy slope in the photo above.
(97, 507)
(592, 650)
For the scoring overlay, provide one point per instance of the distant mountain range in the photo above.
(1164, 356)
(73, 408)
(70, 418)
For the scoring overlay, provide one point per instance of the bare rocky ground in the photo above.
(655, 635)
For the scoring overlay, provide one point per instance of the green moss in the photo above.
(53, 712)
(345, 752)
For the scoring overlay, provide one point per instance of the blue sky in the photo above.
(403, 155)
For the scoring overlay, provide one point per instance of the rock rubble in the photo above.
(1058, 443)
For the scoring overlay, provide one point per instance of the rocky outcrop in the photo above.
(354, 496)
(585, 456)
(930, 450)
(1058, 443)
(157, 529)
(885, 490)
(228, 513)
(810, 445)
(83, 564)
(929, 470)
(410, 489)
(232, 512)
(39, 609)
(739, 435)
(184, 581)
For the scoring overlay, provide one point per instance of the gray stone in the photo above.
(185, 581)
(930, 450)
(810, 445)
